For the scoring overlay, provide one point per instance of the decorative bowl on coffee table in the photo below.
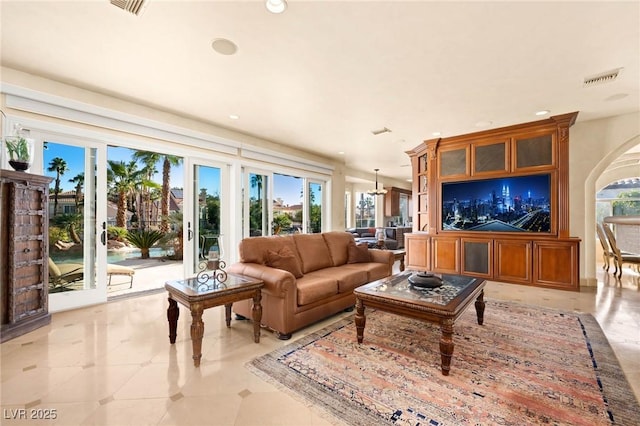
(425, 280)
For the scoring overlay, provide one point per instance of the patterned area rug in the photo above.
(525, 365)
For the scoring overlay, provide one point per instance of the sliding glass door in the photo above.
(207, 217)
(77, 221)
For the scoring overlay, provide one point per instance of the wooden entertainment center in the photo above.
(472, 242)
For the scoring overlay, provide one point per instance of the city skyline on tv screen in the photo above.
(511, 204)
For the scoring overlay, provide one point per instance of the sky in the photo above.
(288, 188)
(74, 157)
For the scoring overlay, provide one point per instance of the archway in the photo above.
(621, 163)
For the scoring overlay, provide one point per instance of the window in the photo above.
(365, 210)
(314, 214)
(287, 204)
(282, 204)
(620, 198)
(258, 214)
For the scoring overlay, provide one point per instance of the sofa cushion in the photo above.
(375, 271)
(338, 242)
(254, 249)
(358, 253)
(314, 287)
(348, 278)
(284, 259)
(313, 252)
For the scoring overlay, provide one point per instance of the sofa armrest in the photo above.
(382, 256)
(276, 281)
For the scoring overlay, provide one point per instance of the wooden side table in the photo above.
(200, 296)
(399, 255)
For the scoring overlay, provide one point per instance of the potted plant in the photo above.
(19, 151)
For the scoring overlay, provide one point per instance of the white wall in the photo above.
(593, 146)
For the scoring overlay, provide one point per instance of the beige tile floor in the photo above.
(112, 364)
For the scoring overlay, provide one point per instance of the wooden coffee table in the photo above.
(442, 305)
(199, 296)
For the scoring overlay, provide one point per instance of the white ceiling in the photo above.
(324, 74)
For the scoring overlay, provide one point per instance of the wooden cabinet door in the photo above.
(513, 261)
(23, 253)
(392, 203)
(446, 254)
(556, 264)
(417, 252)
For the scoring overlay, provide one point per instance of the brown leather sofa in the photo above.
(307, 277)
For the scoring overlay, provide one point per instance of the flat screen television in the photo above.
(509, 204)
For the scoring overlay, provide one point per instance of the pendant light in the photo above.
(377, 191)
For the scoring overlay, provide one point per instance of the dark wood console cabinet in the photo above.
(392, 200)
(24, 268)
(546, 259)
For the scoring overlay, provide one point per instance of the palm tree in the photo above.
(256, 182)
(169, 160)
(122, 178)
(59, 166)
(175, 237)
(256, 217)
(149, 159)
(144, 239)
(70, 222)
(79, 181)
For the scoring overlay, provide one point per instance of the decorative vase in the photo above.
(19, 152)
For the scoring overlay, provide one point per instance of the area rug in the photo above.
(525, 365)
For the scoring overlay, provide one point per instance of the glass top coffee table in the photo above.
(442, 305)
(198, 296)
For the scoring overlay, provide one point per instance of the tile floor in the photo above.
(112, 364)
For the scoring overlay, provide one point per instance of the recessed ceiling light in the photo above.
(276, 6)
(341, 152)
(409, 180)
(543, 112)
(436, 134)
(224, 46)
(233, 116)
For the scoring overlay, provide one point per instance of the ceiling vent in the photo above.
(380, 131)
(132, 6)
(605, 77)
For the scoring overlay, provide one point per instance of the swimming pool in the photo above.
(113, 256)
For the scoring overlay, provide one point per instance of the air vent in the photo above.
(380, 131)
(605, 77)
(132, 6)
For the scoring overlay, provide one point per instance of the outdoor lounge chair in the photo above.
(120, 270)
(64, 274)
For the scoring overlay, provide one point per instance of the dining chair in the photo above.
(607, 253)
(620, 257)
